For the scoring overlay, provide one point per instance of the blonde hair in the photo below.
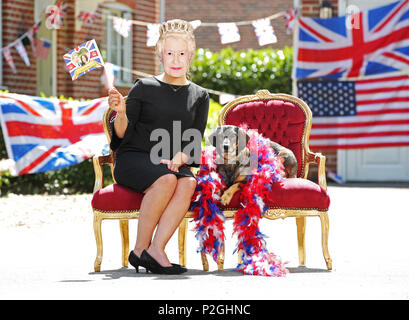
(176, 27)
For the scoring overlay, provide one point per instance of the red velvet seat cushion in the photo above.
(292, 193)
(288, 193)
(116, 198)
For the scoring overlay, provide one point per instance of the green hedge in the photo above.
(237, 72)
(245, 71)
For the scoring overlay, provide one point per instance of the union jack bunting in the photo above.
(264, 32)
(122, 26)
(83, 59)
(55, 14)
(377, 43)
(22, 52)
(43, 134)
(85, 16)
(7, 55)
(152, 34)
(228, 32)
(31, 33)
(289, 17)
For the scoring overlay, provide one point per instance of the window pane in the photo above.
(119, 49)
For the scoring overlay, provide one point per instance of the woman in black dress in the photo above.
(157, 135)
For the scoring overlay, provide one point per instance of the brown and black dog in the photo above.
(233, 158)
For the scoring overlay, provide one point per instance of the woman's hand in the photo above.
(116, 101)
(179, 159)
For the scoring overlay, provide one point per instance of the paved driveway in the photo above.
(47, 250)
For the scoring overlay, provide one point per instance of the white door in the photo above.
(377, 164)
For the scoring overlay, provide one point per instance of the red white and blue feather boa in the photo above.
(256, 260)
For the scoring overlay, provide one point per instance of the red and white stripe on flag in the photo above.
(381, 120)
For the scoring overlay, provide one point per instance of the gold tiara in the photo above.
(177, 26)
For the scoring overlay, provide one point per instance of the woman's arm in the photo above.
(117, 103)
(127, 113)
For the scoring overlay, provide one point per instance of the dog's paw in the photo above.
(226, 198)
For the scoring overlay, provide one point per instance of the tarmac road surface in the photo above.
(47, 251)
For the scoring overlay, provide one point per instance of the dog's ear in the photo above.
(243, 137)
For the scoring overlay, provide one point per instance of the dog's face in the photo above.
(229, 141)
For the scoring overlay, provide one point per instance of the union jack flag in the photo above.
(75, 64)
(376, 43)
(43, 134)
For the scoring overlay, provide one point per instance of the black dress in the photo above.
(159, 118)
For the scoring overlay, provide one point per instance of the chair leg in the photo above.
(324, 232)
(124, 227)
(204, 262)
(239, 257)
(182, 234)
(220, 261)
(98, 238)
(301, 239)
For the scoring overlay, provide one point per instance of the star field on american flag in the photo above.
(328, 98)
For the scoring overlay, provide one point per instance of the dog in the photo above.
(233, 158)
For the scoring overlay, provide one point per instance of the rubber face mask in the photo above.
(175, 56)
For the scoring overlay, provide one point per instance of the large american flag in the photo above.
(375, 42)
(358, 114)
(43, 134)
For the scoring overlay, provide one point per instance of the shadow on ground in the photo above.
(131, 273)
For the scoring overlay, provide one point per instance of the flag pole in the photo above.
(295, 50)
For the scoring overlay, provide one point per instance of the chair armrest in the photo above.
(98, 161)
(319, 159)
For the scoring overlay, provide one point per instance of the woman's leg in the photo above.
(154, 202)
(171, 218)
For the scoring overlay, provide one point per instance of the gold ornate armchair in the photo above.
(286, 120)
(113, 201)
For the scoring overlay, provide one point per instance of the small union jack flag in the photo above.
(55, 14)
(83, 59)
(43, 134)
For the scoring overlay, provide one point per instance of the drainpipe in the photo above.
(162, 10)
(162, 19)
(1, 45)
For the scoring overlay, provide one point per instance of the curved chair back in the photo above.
(282, 118)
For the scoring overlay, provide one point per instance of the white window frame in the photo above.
(124, 77)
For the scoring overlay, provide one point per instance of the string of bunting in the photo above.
(56, 13)
(228, 31)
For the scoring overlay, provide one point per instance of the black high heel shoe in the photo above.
(135, 261)
(153, 266)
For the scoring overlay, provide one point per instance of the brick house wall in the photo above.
(310, 8)
(215, 11)
(18, 17)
